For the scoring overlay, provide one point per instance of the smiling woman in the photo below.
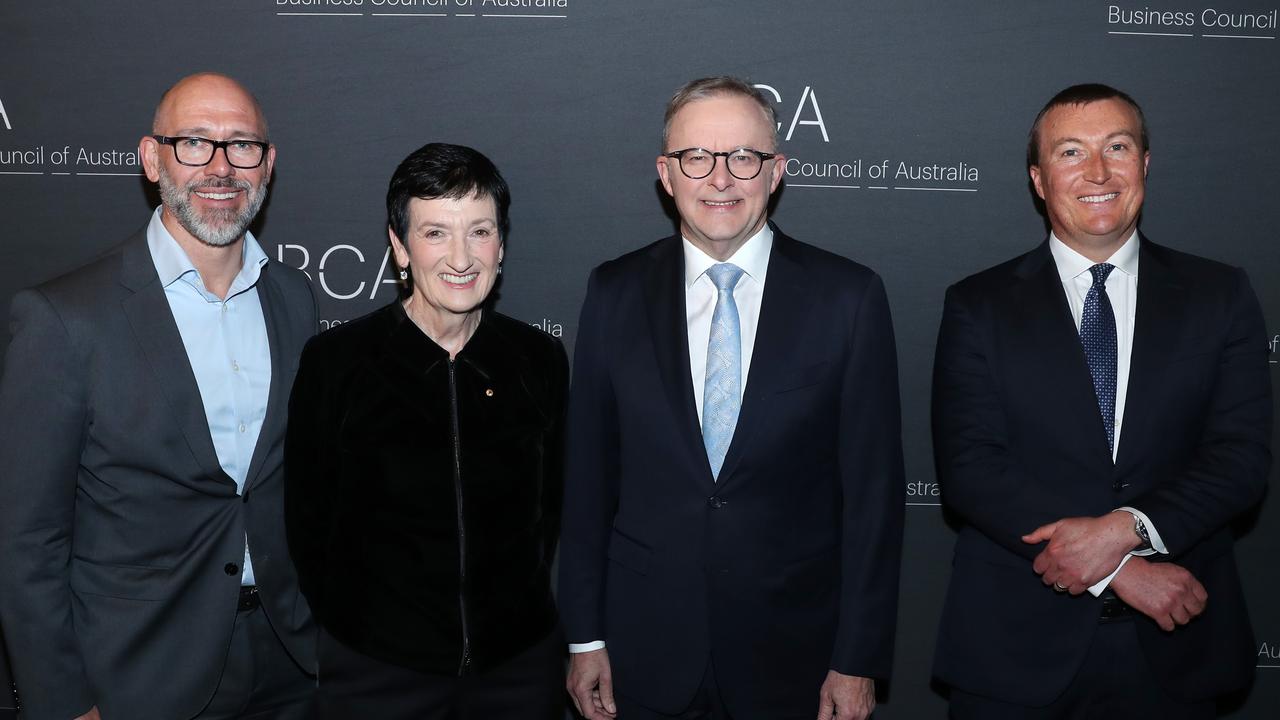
(424, 461)
(453, 253)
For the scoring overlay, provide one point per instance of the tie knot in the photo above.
(1100, 272)
(724, 275)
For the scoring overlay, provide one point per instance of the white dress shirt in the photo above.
(700, 303)
(1122, 291)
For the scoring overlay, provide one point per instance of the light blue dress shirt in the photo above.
(226, 343)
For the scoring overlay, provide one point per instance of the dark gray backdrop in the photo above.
(566, 96)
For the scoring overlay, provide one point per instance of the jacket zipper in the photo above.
(462, 528)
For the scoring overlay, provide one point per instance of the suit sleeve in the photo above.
(872, 478)
(1227, 470)
(979, 477)
(591, 475)
(311, 470)
(43, 420)
(553, 459)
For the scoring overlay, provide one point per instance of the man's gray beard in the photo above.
(217, 227)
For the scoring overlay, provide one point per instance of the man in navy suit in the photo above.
(1101, 412)
(734, 488)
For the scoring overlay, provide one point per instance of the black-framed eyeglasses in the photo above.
(743, 163)
(198, 151)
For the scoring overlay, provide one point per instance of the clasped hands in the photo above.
(1081, 551)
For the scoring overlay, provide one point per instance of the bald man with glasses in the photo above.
(144, 571)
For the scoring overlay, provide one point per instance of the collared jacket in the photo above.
(423, 494)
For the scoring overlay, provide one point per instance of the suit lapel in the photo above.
(1042, 327)
(157, 334)
(783, 310)
(1161, 312)
(668, 327)
(273, 312)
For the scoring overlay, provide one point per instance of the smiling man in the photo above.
(734, 484)
(1101, 412)
(142, 412)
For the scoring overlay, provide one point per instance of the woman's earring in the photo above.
(404, 275)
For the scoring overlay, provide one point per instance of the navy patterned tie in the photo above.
(1098, 336)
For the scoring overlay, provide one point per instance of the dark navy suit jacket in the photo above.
(788, 565)
(1019, 442)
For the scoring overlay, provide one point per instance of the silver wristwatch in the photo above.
(1140, 529)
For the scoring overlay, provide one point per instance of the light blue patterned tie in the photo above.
(1098, 335)
(722, 392)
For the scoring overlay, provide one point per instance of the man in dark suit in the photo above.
(1101, 412)
(734, 489)
(144, 571)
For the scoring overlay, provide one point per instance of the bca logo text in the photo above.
(341, 256)
(807, 96)
(4, 116)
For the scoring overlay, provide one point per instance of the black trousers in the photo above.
(1115, 682)
(529, 686)
(260, 680)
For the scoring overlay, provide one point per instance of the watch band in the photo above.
(1140, 529)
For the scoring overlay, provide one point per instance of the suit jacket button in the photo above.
(231, 569)
(716, 502)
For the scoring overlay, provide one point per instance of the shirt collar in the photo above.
(752, 257)
(1072, 264)
(172, 263)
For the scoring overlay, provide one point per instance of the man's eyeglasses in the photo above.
(743, 163)
(198, 151)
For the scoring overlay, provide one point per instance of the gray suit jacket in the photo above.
(121, 538)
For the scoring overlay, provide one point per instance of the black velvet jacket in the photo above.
(422, 496)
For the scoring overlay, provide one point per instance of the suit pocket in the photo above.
(985, 551)
(126, 582)
(1197, 354)
(629, 553)
(805, 583)
(804, 377)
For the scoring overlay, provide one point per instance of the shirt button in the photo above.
(231, 569)
(235, 366)
(242, 427)
(224, 308)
